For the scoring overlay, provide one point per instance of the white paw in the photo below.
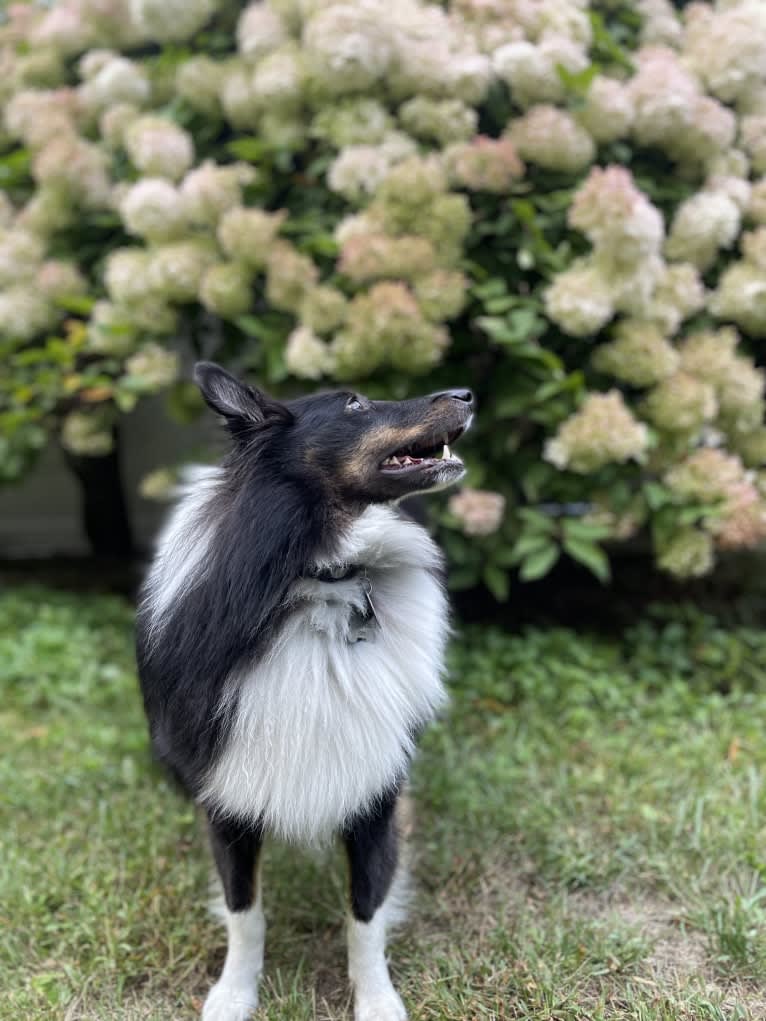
(383, 1006)
(227, 1002)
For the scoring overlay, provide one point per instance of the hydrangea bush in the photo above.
(560, 203)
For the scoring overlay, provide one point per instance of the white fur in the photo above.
(235, 994)
(375, 998)
(182, 545)
(324, 723)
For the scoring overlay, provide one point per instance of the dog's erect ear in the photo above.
(240, 404)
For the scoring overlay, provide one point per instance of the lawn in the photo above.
(589, 835)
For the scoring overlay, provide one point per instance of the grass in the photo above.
(589, 840)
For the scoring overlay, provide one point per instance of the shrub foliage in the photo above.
(559, 203)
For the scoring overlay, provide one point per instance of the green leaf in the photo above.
(77, 303)
(496, 580)
(590, 556)
(575, 528)
(538, 564)
(577, 82)
(527, 544)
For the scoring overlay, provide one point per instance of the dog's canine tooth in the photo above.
(446, 455)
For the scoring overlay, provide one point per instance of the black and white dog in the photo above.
(290, 645)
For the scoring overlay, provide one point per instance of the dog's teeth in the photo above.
(446, 455)
(407, 460)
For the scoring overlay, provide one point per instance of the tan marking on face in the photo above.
(374, 446)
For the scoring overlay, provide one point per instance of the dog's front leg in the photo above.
(236, 850)
(371, 843)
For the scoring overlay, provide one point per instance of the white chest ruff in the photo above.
(324, 723)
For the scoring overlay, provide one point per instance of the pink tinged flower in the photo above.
(76, 166)
(64, 30)
(484, 164)
(260, 31)
(374, 257)
(743, 525)
(552, 139)
(36, 115)
(159, 148)
(616, 217)
(171, 20)
(602, 432)
(306, 356)
(210, 190)
(479, 511)
(705, 476)
(579, 299)
(58, 279)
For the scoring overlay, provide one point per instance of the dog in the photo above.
(290, 644)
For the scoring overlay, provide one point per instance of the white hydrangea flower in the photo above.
(126, 274)
(176, 270)
(21, 253)
(88, 434)
(278, 81)
(200, 81)
(119, 80)
(159, 148)
(579, 300)
(209, 190)
(171, 20)
(531, 71)
(359, 170)
(238, 98)
(154, 366)
(753, 131)
(153, 209)
(756, 207)
(553, 139)
(247, 235)
(260, 30)
(608, 111)
(306, 356)
(114, 122)
(348, 48)
(726, 47)
(703, 223)
(25, 312)
(354, 121)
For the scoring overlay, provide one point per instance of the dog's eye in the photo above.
(354, 404)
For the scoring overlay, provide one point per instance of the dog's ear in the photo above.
(239, 403)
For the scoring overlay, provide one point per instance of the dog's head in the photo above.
(357, 449)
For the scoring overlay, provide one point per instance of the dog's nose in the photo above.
(460, 395)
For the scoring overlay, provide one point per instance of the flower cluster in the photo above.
(337, 183)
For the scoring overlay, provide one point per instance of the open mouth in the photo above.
(421, 456)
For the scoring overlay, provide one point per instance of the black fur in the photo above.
(236, 847)
(287, 495)
(371, 841)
